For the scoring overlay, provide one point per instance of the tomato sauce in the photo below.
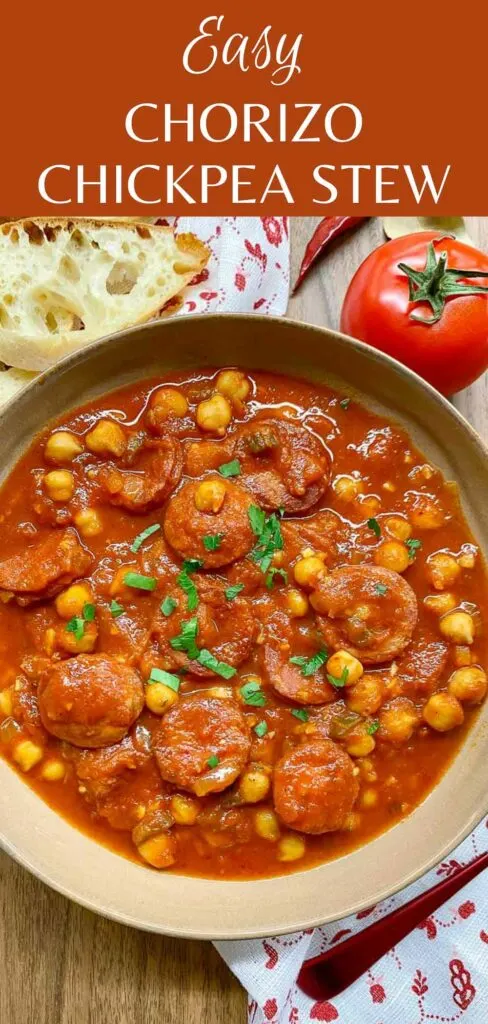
(241, 623)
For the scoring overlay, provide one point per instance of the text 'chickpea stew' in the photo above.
(241, 623)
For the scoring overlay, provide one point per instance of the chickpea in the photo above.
(443, 712)
(159, 851)
(442, 570)
(468, 684)
(368, 799)
(210, 495)
(266, 825)
(72, 601)
(369, 505)
(107, 438)
(291, 848)
(428, 516)
(341, 662)
(214, 414)
(6, 702)
(254, 786)
(458, 627)
(467, 559)
(59, 484)
(53, 771)
(392, 554)
(307, 571)
(74, 644)
(185, 809)
(118, 583)
(440, 604)
(297, 603)
(351, 822)
(347, 488)
(62, 447)
(88, 522)
(359, 744)
(462, 656)
(27, 754)
(233, 384)
(168, 403)
(159, 698)
(398, 527)
(398, 721)
(366, 695)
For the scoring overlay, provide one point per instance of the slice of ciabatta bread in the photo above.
(66, 282)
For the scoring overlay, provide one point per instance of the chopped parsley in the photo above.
(230, 468)
(374, 526)
(345, 403)
(232, 592)
(140, 582)
(413, 546)
(221, 668)
(261, 728)
(89, 612)
(381, 589)
(267, 530)
(252, 694)
(212, 761)
(301, 713)
(76, 625)
(186, 583)
(141, 537)
(192, 564)
(158, 675)
(186, 640)
(373, 727)
(168, 606)
(340, 681)
(270, 575)
(311, 665)
(116, 609)
(212, 541)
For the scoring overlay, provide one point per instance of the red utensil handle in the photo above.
(331, 972)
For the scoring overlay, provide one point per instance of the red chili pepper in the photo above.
(325, 232)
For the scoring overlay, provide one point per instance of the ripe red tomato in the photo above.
(452, 351)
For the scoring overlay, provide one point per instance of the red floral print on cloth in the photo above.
(323, 1011)
(273, 230)
(464, 990)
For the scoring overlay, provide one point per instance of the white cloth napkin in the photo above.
(439, 973)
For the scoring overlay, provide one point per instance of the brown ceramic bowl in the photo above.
(197, 908)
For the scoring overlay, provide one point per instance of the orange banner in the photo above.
(228, 109)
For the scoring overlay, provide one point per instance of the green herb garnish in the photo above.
(116, 609)
(168, 606)
(186, 640)
(341, 681)
(89, 612)
(413, 546)
(212, 761)
(192, 564)
(252, 694)
(345, 403)
(212, 541)
(301, 713)
(140, 582)
(381, 589)
(373, 727)
(76, 625)
(186, 583)
(158, 675)
(310, 665)
(270, 575)
(141, 537)
(221, 668)
(261, 728)
(232, 592)
(267, 529)
(230, 468)
(374, 526)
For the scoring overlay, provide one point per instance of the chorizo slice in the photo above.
(366, 610)
(314, 787)
(202, 744)
(283, 464)
(187, 529)
(155, 471)
(119, 779)
(422, 666)
(90, 700)
(289, 681)
(225, 628)
(324, 532)
(45, 567)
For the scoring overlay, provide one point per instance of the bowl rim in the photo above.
(29, 391)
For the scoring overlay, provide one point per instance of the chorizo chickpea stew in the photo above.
(241, 623)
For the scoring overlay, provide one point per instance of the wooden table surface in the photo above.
(65, 965)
